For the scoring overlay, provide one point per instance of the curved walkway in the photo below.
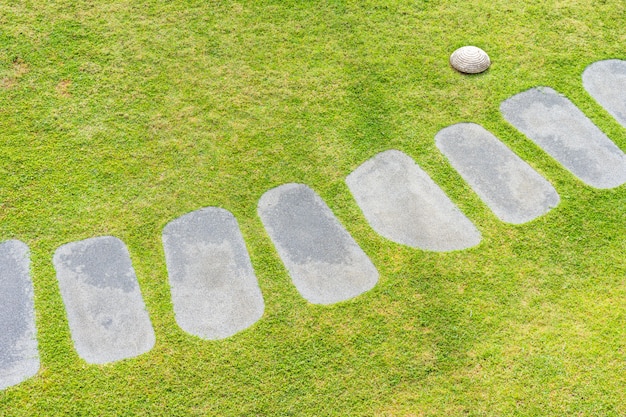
(214, 290)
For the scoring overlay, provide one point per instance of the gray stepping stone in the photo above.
(606, 82)
(107, 317)
(563, 131)
(19, 356)
(402, 203)
(514, 191)
(326, 265)
(214, 290)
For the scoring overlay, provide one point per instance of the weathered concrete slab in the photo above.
(107, 317)
(326, 265)
(563, 131)
(402, 203)
(514, 191)
(214, 290)
(19, 356)
(606, 82)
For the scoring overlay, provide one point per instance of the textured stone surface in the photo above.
(19, 357)
(214, 290)
(107, 317)
(606, 82)
(509, 186)
(563, 131)
(325, 263)
(470, 60)
(402, 203)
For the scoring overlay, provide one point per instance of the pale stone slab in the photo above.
(402, 203)
(19, 356)
(514, 191)
(563, 131)
(214, 290)
(105, 310)
(326, 265)
(606, 82)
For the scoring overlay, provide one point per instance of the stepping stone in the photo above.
(214, 290)
(107, 317)
(326, 265)
(563, 131)
(19, 356)
(402, 203)
(606, 82)
(514, 191)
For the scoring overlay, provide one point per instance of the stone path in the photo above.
(19, 357)
(214, 290)
(563, 131)
(105, 310)
(402, 203)
(325, 263)
(514, 191)
(606, 82)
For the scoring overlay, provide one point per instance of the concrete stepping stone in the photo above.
(606, 82)
(514, 191)
(19, 356)
(107, 317)
(563, 131)
(402, 203)
(214, 290)
(326, 265)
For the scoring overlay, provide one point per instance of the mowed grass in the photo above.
(117, 118)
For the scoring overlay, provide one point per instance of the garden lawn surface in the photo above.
(119, 117)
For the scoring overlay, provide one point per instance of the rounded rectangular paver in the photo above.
(107, 317)
(19, 356)
(214, 290)
(402, 203)
(606, 82)
(563, 131)
(326, 265)
(514, 191)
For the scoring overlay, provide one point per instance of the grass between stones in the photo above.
(117, 118)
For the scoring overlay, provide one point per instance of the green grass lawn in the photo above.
(118, 117)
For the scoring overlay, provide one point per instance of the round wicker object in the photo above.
(470, 60)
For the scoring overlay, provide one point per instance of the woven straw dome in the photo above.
(470, 60)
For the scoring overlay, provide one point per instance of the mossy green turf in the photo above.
(118, 117)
